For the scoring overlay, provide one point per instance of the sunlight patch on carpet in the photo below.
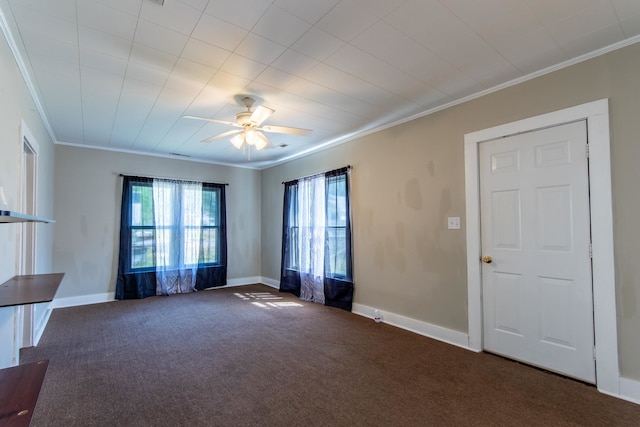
(266, 300)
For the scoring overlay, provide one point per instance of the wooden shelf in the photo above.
(19, 389)
(31, 289)
(11, 217)
(20, 385)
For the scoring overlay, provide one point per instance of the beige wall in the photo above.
(88, 189)
(16, 105)
(408, 179)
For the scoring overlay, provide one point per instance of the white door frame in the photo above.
(29, 149)
(28, 195)
(596, 114)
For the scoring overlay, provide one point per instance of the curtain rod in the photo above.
(319, 173)
(164, 177)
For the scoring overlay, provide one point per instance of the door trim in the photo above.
(29, 200)
(27, 232)
(596, 114)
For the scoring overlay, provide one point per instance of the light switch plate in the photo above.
(453, 223)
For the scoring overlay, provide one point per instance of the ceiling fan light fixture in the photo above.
(251, 136)
(248, 126)
(238, 140)
(262, 141)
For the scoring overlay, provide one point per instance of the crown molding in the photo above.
(24, 70)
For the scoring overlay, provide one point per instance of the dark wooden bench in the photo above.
(19, 390)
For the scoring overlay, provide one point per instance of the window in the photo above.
(316, 252)
(210, 226)
(172, 237)
(142, 228)
(336, 226)
(153, 235)
(293, 252)
(333, 225)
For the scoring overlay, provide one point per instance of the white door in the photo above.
(535, 226)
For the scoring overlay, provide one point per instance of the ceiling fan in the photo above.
(249, 123)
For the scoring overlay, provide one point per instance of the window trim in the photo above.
(289, 264)
(214, 189)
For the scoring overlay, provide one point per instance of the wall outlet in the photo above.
(453, 223)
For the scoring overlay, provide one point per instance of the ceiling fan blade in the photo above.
(260, 114)
(286, 129)
(222, 135)
(224, 122)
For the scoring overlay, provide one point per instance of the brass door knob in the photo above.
(487, 259)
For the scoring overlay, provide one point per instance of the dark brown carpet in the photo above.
(250, 356)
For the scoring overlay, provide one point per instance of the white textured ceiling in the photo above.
(120, 74)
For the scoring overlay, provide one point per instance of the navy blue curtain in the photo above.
(289, 277)
(130, 284)
(135, 281)
(338, 288)
(338, 285)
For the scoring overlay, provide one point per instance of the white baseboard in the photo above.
(110, 296)
(39, 329)
(439, 333)
(449, 336)
(270, 282)
(629, 390)
(250, 281)
(83, 300)
(242, 281)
